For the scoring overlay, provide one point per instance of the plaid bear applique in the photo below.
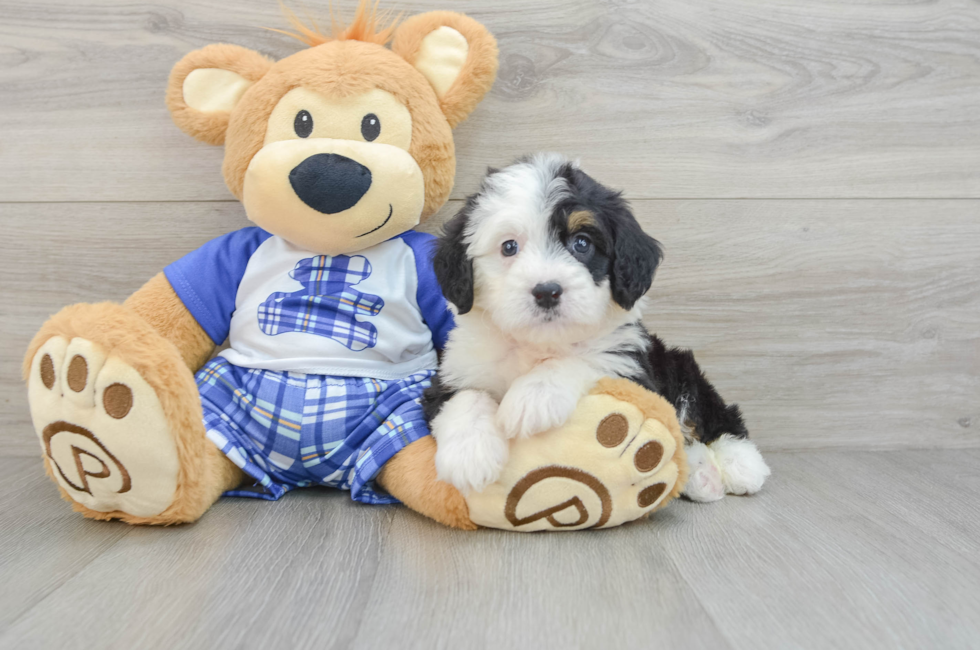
(328, 304)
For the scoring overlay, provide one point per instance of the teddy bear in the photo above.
(333, 317)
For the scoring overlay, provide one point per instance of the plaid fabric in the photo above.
(327, 304)
(289, 430)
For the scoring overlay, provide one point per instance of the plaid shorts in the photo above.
(289, 430)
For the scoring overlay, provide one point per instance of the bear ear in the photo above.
(206, 85)
(456, 54)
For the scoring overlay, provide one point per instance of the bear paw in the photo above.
(102, 429)
(619, 457)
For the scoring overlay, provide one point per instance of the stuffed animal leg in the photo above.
(620, 457)
(117, 411)
(118, 415)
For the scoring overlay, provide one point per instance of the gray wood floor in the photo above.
(844, 549)
(813, 170)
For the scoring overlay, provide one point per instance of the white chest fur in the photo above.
(480, 357)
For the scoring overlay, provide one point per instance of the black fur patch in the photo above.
(636, 258)
(674, 374)
(599, 260)
(678, 377)
(623, 252)
(435, 396)
(452, 266)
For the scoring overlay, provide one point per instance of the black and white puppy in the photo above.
(546, 270)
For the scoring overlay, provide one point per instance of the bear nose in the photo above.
(546, 294)
(330, 183)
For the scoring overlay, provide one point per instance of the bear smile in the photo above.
(387, 219)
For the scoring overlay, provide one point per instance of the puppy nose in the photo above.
(546, 294)
(330, 183)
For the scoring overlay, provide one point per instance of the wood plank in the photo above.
(815, 562)
(833, 323)
(937, 495)
(43, 544)
(497, 590)
(251, 573)
(725, 98)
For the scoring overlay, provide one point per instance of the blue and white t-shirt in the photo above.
(376, 313)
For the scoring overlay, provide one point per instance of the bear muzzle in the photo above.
(330, 183)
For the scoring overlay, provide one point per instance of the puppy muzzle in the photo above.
(547, 295)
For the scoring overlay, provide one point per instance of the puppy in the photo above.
(546, 270)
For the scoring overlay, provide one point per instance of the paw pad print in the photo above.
(102, 429)
(611, 463)
(328, 304)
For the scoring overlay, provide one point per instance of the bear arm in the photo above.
(158, 304)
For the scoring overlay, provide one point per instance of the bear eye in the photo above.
(509, 248)
(582, 244)
(370, 127)
(303, 124)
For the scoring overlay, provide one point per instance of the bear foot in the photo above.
(102, 429)
(617, 459)
(118, 417)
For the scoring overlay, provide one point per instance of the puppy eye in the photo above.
(370, 127)
(509, 248)
(303, 124)
(581, 244)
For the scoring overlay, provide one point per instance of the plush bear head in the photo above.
(347, 143)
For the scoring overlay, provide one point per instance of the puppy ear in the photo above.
(636, 256)
(453, 266)
(207, 84)
(456, 54)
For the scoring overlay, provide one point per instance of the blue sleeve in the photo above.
(435, 310)
(207, 280)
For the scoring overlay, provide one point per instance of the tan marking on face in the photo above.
(580, 219)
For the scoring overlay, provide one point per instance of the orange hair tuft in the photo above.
(368, 25)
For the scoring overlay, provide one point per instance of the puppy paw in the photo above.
(471, 463)
(533, 405)
(729, 465)
(743, 470)
(704, 483)
(471, 452)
